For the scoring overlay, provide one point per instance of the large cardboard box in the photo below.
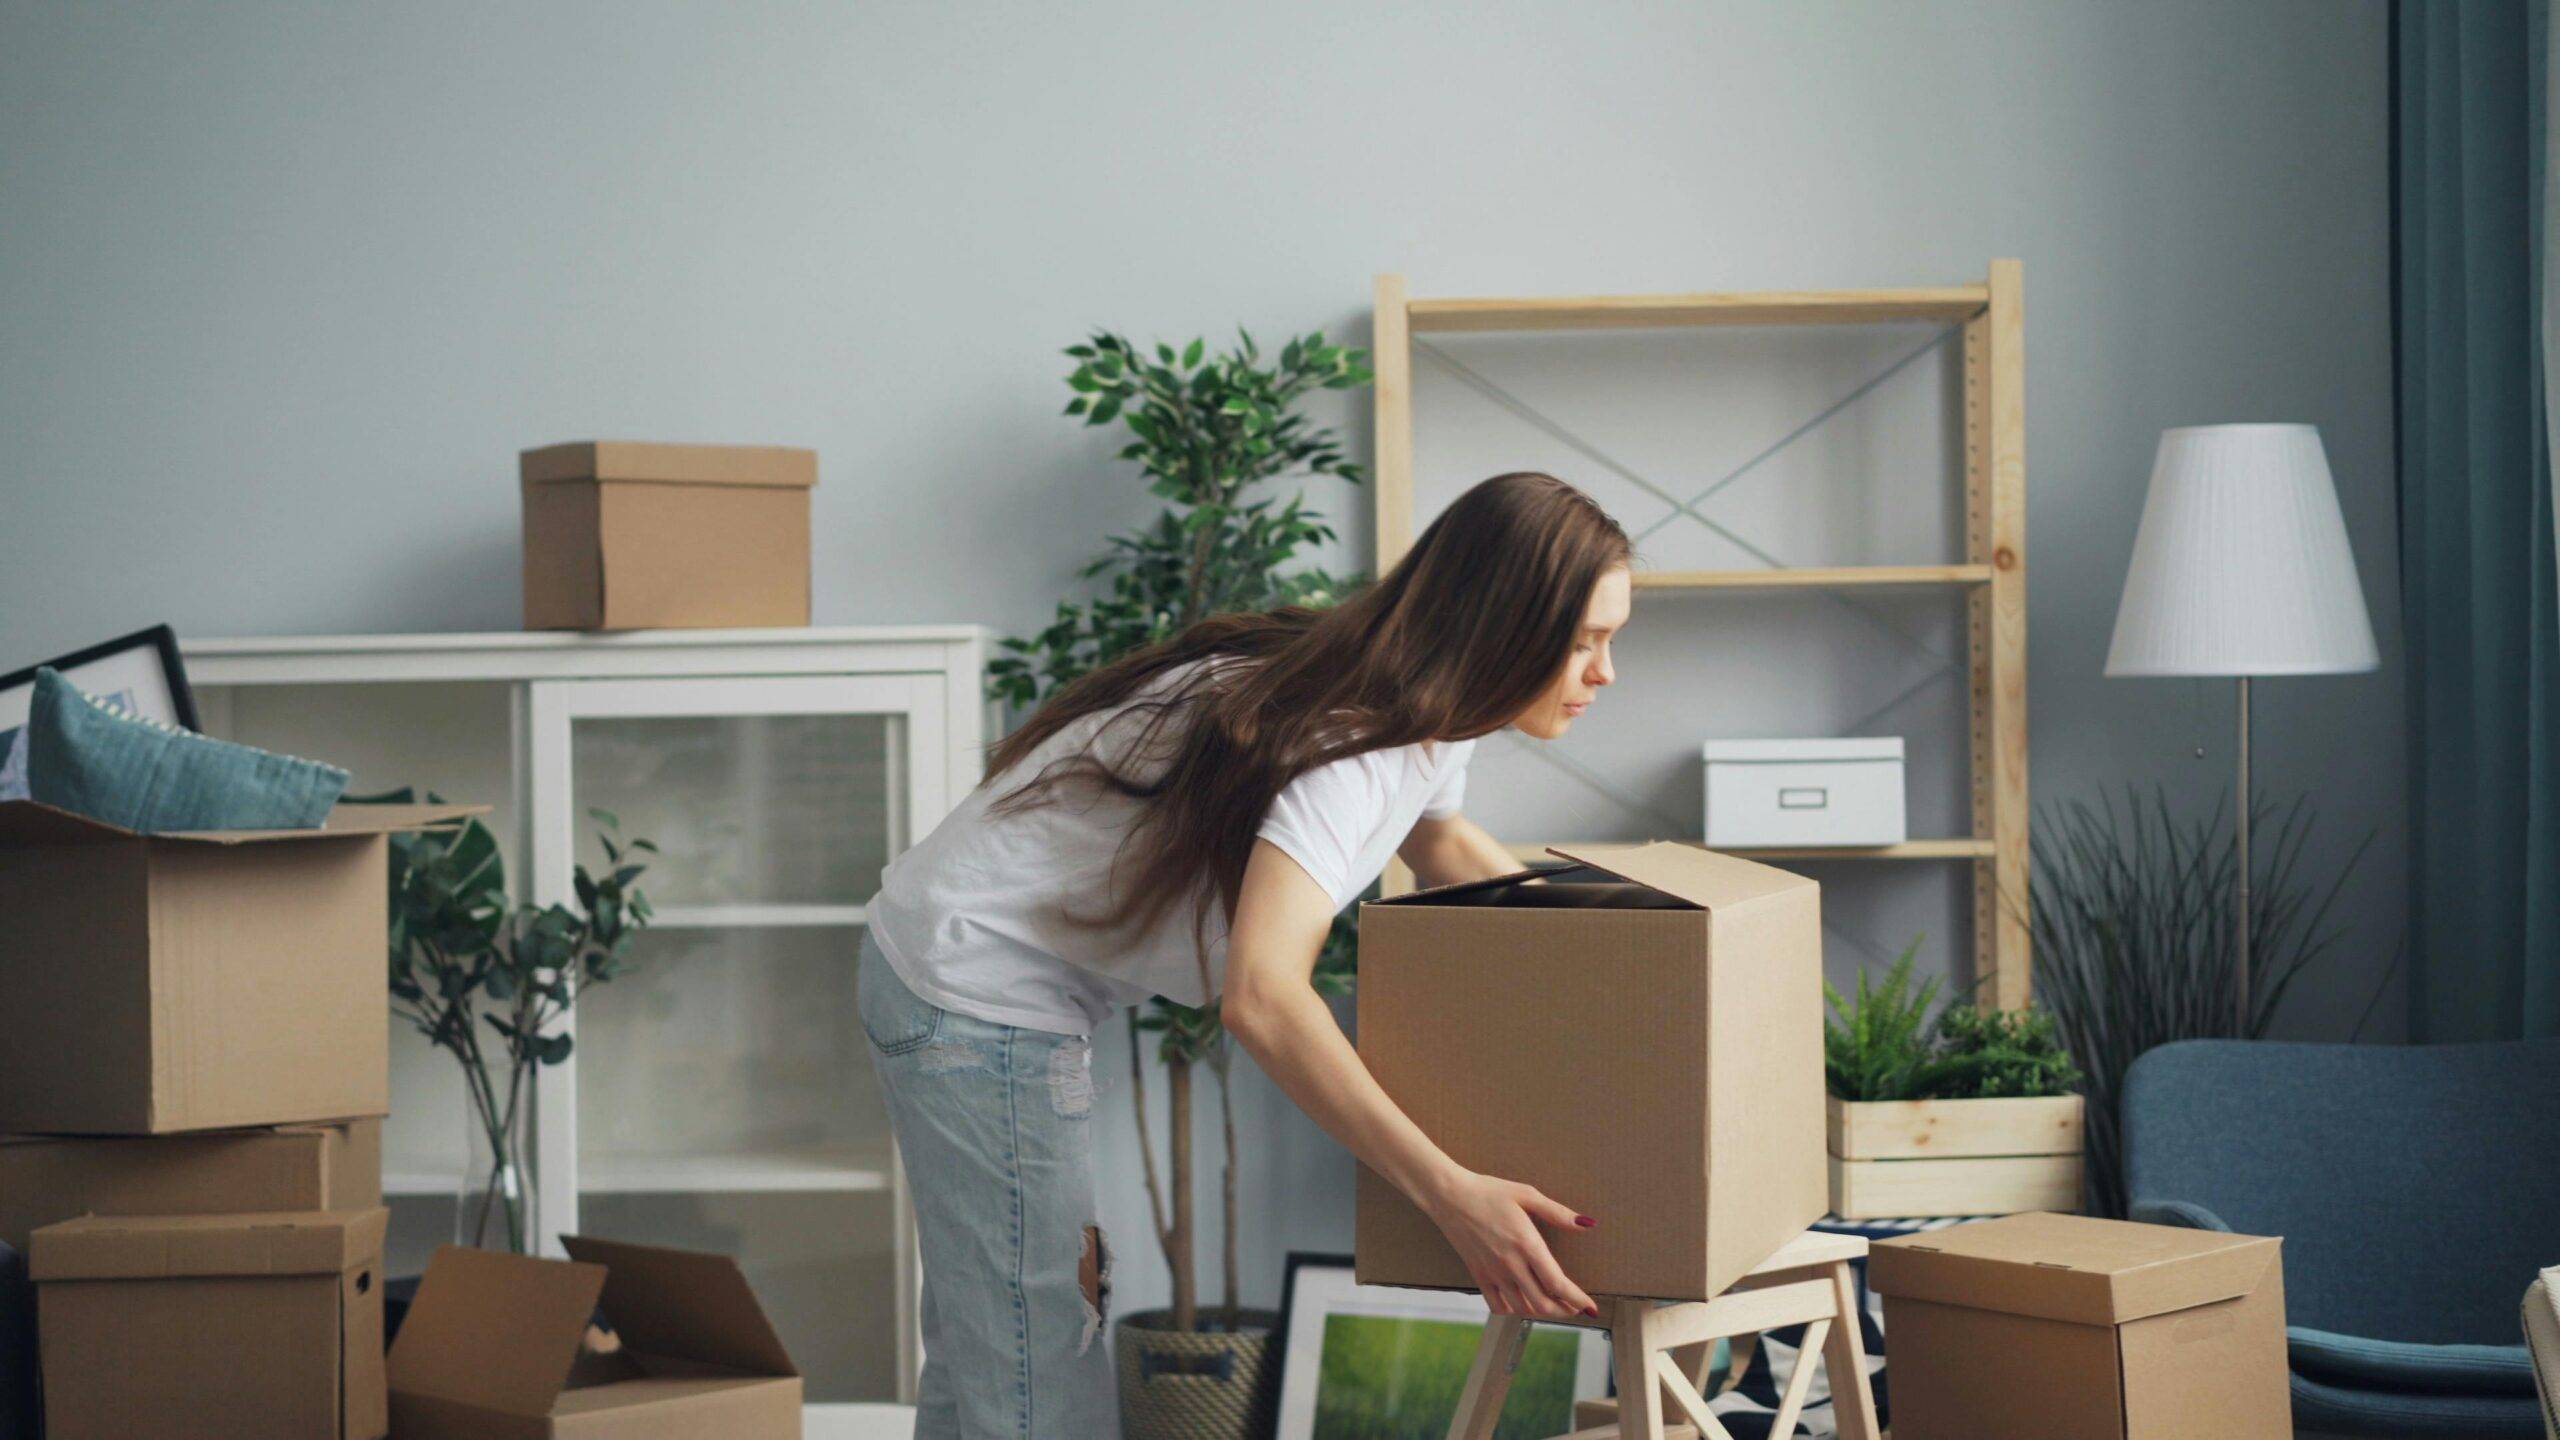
(48, 1178)
(621, 535)
(208, 1327)
(2067, 1327)
(194, 981)
(495, 1347)
(1640, 1038)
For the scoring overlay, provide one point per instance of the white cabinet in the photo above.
(720, 1095)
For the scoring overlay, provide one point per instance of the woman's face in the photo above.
(1588, 667)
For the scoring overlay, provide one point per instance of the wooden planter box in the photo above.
(1954, 1157)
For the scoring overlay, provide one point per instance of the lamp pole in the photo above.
(2240, 885)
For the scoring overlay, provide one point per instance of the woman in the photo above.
(1187, 821)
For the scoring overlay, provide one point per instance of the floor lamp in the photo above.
(2241, 567)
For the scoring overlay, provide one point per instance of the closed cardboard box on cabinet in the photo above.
(625, 535)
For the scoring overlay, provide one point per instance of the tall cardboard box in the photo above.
(209, 1327)
(1640, 1038)
(49, 1178)
(194, 981)
(494, 1347)
(2067, 1327)
(622, 535)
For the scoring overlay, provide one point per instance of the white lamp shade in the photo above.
(2241, 566)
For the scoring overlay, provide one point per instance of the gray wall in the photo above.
(283, 289)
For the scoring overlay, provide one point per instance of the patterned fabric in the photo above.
(91, 758)
(1747, 1407)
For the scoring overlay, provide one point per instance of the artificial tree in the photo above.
(1205, 432)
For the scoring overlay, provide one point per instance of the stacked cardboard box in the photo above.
(191, 1098)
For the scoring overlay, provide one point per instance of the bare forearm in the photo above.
(1294, 1038)
(1446, 852)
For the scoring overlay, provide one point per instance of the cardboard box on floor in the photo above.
(493, 1348)
(194, 981)
(2066, 1327)
(205, 1327)
(1640, 1038)
(622, 535)
(47, 1178)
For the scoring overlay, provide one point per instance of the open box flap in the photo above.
(154, 1247)
(2071, 1267)
(30, 823)
(1688, 872)
(495, 1330)
(1428, 893)
(355, 819)
(684, 1305)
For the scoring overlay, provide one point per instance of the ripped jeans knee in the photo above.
(1093, 1277)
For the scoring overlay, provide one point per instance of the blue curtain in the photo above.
(2481, 605)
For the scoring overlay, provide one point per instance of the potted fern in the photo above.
(1204, 431)
(1972, 1112)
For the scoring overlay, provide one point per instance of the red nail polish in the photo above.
(1585, 1221)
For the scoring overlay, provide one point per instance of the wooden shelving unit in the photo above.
(1994, 570)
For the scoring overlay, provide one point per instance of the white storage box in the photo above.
(1804, 792)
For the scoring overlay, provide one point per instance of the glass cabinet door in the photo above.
(719, 1095)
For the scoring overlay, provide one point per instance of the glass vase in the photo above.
(497, 1207)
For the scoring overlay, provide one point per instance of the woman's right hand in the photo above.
(1494, 1225)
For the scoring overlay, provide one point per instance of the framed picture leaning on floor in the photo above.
(139, 673)
(1382, 1362)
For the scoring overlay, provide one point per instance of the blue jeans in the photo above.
(994, 1124)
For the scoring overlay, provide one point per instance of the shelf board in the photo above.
(1621, 312)
(750, 917)
(1842, 576)
(415, 1184)
(843, 1170)
(1965, 847)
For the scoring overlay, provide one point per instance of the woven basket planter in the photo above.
(1196, 1384)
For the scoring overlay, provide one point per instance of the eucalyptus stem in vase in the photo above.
(488, 981)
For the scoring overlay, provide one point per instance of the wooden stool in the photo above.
(1662, 1351)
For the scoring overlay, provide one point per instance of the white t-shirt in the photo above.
(972, 916)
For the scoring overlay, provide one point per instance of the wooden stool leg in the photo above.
(1844, 1360)
(1489, 1378)
(1639, 1393)
(1692, 1405)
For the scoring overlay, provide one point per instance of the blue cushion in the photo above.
(92, 759)
(2408, 1414)
(2362, 1363)
(2417, 1187)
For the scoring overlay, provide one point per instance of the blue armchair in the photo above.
(2417, 1189)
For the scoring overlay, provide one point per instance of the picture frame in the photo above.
(1347, 1349)
(141, 672)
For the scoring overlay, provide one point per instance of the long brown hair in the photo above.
(1452, 643)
